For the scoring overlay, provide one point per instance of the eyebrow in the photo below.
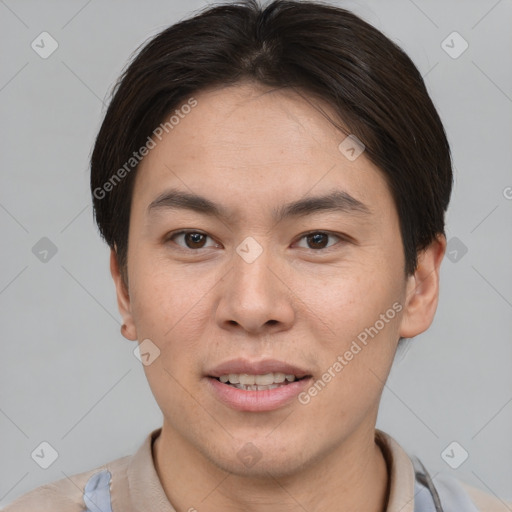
(336, 201)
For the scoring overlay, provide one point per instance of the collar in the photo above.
(400, 474)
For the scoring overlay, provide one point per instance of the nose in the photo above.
(255, 296)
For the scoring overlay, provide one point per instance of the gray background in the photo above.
(68, 377)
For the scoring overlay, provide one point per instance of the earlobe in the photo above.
(128, 329)
(422, 291)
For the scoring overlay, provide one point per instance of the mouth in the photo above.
(262, 382)
(257, 386)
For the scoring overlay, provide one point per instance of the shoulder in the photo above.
(411, 482)
(67, 494)
(457, 496)
(486, 502)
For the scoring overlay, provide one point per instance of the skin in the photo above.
(251, 149)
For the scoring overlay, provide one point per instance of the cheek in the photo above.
(354, 369)
(355, 320)
(346, 300)
(172, 314)
(166, 299)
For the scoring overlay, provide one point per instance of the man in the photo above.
(272, 183)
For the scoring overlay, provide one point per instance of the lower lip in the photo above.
(257, 401)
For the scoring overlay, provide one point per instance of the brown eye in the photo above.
(195, 240)
(192, 239)
(318, 240)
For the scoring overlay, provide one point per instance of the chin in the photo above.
(260, 457)
(268, 466)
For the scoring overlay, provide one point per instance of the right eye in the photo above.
(192, 239)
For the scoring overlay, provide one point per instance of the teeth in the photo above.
(253, 381)
(247, 380)
(264, 380)
(255, 388)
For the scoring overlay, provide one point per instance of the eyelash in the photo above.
(304, 235)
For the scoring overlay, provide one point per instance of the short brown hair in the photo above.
(315, 48)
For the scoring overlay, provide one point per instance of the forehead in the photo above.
(248, 144)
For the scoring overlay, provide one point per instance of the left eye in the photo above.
(318, 239)
(193, 239)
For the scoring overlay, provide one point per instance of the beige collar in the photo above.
(401, 474)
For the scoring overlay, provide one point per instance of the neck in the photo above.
(353, 475)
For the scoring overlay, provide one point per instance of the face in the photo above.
(306, 303)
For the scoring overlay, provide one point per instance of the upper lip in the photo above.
(238, 366)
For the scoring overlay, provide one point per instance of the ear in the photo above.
(422, 290)
(128, 330)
